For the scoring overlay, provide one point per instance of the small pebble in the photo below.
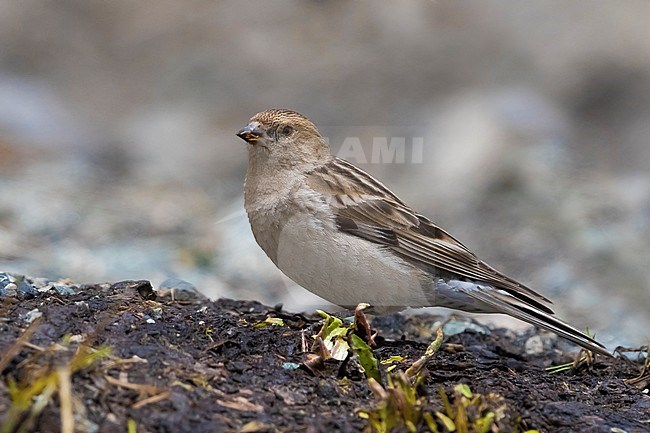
(454, 327)
(32, 315)
(180, 290)
(64, 290)
(290, 366)
(534, 345)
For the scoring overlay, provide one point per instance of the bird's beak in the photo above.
(251, 133)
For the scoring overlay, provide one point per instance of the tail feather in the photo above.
(505, 303)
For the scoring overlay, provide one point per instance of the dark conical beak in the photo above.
(251, 133)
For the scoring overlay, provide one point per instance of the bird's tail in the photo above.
(508, 304)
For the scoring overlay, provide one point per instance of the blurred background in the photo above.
(118, 158)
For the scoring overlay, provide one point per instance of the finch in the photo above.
(341, 234)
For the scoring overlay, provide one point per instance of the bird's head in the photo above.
(284, 137)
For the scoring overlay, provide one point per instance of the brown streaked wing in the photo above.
(364, 207)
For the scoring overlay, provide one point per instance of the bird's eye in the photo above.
(287, 130)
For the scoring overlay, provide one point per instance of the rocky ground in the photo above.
(123, 357)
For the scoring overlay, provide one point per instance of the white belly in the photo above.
(346, 270)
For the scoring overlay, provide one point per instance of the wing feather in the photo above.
(366, 208)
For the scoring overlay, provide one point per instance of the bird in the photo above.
(341, 234)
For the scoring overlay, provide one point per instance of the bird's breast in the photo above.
(347, 270)
(295, 227)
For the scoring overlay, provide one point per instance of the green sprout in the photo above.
(31, 398)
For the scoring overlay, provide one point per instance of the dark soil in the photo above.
(194, 365)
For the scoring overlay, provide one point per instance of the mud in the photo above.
(194, 365)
